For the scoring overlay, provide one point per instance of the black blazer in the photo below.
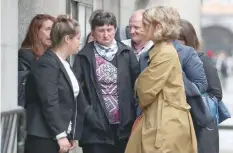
(214, 84)
(25, 59)
(50, 103)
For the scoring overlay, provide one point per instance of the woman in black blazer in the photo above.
(54, 100)
(207, 138)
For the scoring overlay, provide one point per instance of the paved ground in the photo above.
(226, 136)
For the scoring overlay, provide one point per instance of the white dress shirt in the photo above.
(76, 89)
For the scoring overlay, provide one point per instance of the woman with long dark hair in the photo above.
(38, 35)
(37, 40)
(208, 140)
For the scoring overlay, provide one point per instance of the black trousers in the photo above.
(35, 144)
(105, 148)
(207, 138)
(118, 147)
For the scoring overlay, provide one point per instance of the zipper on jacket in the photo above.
(93, 72)
(75, 117)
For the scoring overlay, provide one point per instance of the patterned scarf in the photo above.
(107, 53)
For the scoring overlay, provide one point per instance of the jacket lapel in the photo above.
(62, 68)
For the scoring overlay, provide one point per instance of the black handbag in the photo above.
(199, 112)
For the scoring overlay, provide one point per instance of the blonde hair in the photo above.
(64, 25)
(168, 19)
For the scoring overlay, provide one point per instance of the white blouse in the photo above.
(72, 77)
(76, 89)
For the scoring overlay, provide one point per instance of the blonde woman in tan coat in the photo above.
(166, 125)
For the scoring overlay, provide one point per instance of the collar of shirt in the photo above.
(106, 52)
(64, 62)
(143, 48)
(112, 47)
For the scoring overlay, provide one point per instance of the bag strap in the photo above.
(25, 65)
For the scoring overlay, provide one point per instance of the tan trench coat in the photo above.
(166, 126)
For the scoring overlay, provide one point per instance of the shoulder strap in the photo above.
(24, 65)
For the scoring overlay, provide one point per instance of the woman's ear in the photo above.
(66, 39)
(158, 27)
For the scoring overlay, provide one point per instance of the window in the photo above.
(226, 1)
(218, 1)
(81, 11)
(208, 1)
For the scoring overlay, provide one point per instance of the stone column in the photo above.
(9, 54)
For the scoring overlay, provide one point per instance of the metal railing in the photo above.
(13, 131)
(226, 127)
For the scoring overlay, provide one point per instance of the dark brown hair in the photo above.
(101, 18)
(94, 13)
(188, 34)
(63, 26)
(31, 40)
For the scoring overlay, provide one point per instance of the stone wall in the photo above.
(29, 8)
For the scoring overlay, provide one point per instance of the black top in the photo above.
(214, 85)
(50, 99)
(25, 59)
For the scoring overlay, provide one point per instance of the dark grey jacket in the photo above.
(96, 126)
(214, 85)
